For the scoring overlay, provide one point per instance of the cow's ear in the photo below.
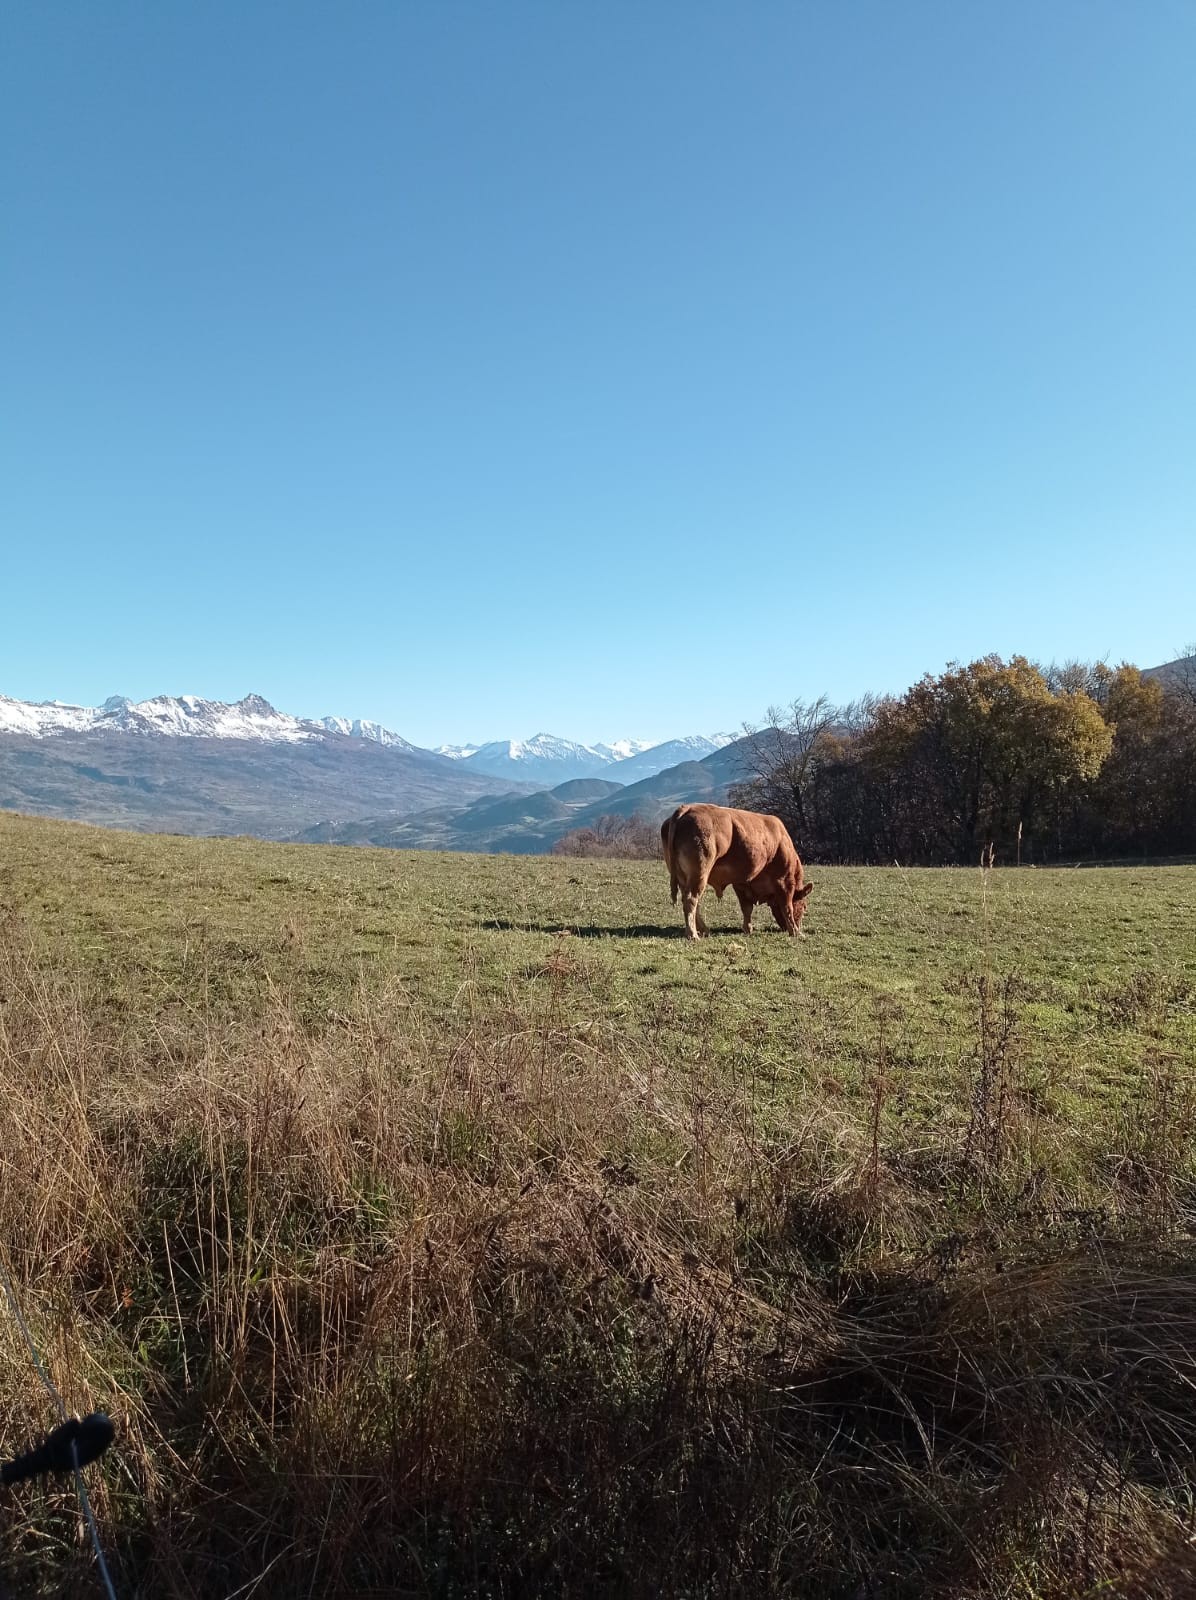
(801, 894)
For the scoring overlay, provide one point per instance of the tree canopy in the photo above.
(1036, 764)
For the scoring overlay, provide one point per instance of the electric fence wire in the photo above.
(52, 1391)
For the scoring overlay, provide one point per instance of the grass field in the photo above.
(450, 1225)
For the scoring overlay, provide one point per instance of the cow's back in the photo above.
(754, 844)
(732, 846)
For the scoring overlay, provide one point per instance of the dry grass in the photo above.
(500, 1298)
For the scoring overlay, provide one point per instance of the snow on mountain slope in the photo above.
(623, 748)
(355, 728)
(544, 747)
(52, 716)
(658, 757)
(185, 716)
(190, 717)
(551, 759)
(546, 758)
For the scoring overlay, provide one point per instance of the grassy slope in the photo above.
(300, 1063)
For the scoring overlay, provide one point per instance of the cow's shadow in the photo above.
(637, 930)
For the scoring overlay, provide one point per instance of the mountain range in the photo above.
(553, 760)
(191, 765)
(546, 757)
(530, 824)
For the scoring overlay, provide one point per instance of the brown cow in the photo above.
(742, 850)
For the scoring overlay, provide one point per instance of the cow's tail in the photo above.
(667, 834)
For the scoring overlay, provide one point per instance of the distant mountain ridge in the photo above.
(185, 764)
(530, 824)
(546, 758)
(550, 759)
(1177, 674)
(184, 716)
(543, 747)
(267, 788)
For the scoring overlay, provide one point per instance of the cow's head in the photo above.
(797, 905)
(788, 907)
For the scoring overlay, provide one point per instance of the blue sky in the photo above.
(614, 370)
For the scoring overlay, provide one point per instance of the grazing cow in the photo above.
(742, 850)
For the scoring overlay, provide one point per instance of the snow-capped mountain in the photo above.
(50, 716)
(190, 717)
(355, 728)
(623, 749)
(544, 758)
(184, 764)
(547, 758)
(187, 765)
(185, 716)
(654, 758)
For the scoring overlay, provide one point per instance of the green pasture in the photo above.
(1097, 967)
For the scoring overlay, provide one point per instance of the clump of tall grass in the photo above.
(497, 1307)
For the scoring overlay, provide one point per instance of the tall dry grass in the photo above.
(500, 1309)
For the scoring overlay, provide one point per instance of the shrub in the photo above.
(631, 838)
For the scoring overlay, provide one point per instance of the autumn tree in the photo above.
(1068, 762)
(988, 750)
(1144, 799)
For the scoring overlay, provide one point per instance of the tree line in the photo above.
(1008, 758)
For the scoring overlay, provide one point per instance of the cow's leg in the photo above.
(746, 905)
(694, 920)
(693, 871)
